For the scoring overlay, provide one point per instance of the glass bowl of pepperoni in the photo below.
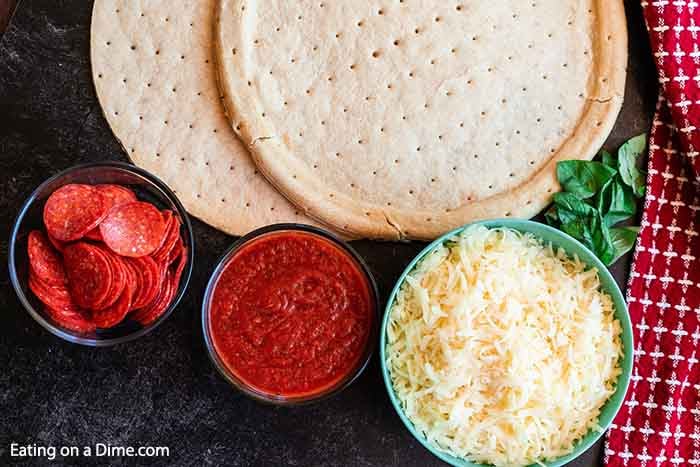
(290, 315)
(101, 253)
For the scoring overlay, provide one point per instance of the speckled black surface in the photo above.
(161, 389)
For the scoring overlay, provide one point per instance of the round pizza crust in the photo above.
(155, 77)
(403, 120)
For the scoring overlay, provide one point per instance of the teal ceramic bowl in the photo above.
(572, 247)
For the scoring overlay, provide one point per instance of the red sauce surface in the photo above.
(291, 314)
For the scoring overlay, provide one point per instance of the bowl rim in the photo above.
(614, 402)
(240, 385)
(64, 333)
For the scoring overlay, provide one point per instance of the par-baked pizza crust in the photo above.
(407, 119)
(155, 77)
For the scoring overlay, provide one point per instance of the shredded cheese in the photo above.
(501, 349)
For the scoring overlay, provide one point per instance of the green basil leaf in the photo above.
(608, 159)
(578, 218)
(623, 239)
(616, 202)
(599, 195)
(593, 233)
(602, 241)
(603, 197)
(583, 178)
(570, 207)
(628, 154)
(580, 229)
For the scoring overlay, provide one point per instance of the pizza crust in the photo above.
(155, 77)
(375, 192)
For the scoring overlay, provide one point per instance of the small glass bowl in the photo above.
(244, 387)
(148, 188)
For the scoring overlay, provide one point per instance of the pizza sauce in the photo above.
(291, 314)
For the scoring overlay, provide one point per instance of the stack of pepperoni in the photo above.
(105, 256)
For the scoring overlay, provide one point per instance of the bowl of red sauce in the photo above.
(290, 314)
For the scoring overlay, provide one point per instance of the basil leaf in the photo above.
(628, 154)
(603, 197)
(623, 239)
(570, 207)
(608, 159)
(583, 178)
(594, 234)
(599, 195)
(616, 202)
(579, 229)
(579, 219)
(602, 241)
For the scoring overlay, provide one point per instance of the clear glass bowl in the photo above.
(244, 387)
(148, 188)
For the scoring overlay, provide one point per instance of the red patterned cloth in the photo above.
(659, 423)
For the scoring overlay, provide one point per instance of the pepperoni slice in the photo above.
(182, 261)
(57, 244)
(149, 314)
(94, 235)
(60, 307)
(72, 211)
(135, 277)
(113, 195)
(150, 280)
(43, 259)
(168, 218)
(119, 271)
(116, 195)
(115, 313)
(89, 273)
(174, 253)
(171, 240)
(133, 229)
(159, 274)
(74, 320)
(180, 267)
(119, 279)
(55, 296)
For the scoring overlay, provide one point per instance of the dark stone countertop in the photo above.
(162, 389)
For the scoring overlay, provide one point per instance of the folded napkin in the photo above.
(659, 423)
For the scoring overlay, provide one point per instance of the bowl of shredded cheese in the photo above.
(506, 342)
